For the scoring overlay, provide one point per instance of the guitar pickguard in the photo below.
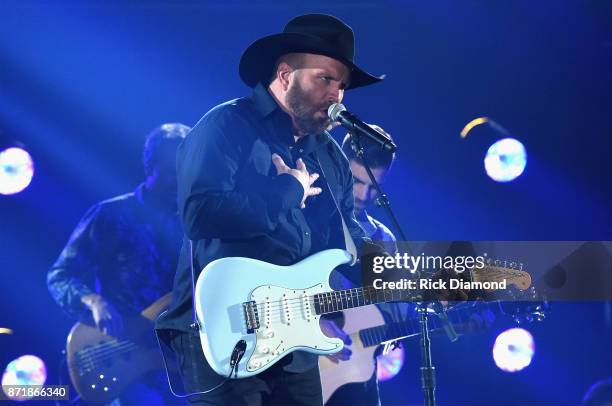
(287, 322)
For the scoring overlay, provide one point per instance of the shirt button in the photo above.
(306, 233)
(301, 150)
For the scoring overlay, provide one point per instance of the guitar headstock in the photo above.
(499, 270)
(522, 306)
(525, 306)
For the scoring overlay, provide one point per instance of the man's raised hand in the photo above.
(301, 174)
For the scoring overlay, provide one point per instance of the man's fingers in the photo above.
(280, 165)
(313, 191)
(300, 165)
(344, 354)
(343, 336)
(105, 326)
(313, 177)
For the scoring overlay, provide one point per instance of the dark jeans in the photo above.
(274, 386)
(356, 394)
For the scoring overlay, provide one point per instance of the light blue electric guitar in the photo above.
(270, 311)
(274, 309)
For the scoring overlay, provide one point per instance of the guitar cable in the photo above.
(237, 352)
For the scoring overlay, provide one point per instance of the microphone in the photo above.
(338, 113)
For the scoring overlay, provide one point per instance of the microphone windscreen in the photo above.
(334, 110)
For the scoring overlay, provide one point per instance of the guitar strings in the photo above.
(93, 355)
(326, 304)
(109, 343)
(99, 361)
(322, 298)
(338, 295)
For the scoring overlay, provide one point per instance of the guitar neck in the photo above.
(335, 301)
(376, 335)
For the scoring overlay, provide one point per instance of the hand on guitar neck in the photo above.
(331, 329)
(107, 318)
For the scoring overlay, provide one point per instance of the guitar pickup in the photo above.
(251, 316)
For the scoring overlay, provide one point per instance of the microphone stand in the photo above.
(428, 371)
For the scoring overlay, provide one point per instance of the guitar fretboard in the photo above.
(338, 300)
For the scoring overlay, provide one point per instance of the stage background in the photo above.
(82, 82)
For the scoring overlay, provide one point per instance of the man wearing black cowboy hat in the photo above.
(260, 177)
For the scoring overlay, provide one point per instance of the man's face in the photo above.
(318, 83)
(363, 189)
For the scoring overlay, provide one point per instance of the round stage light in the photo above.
(16, 170)
(505, 160)
(513, 350)
(25, 370)
(390, 362)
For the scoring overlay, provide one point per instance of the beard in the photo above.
(304, 111)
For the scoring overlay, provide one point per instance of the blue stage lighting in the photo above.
(513, 350)
(505, 160)
(25, 370)
(390, 362)
(16, 170)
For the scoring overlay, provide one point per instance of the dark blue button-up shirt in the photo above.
(125, 248)
(233, 203)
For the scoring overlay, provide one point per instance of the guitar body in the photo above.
(281, 317)
(361, 365)
(101, 366)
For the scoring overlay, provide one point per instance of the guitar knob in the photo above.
(270, 334)
(265, 350)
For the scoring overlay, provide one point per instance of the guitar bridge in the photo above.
(251, 316)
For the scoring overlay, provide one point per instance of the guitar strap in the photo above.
(327, 168)
(196, 324)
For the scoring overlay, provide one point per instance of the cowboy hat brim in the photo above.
(257, 61)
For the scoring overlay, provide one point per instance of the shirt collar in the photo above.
(263, 101)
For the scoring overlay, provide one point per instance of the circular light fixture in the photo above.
(16, 170)
(390, 362)
(25, 370)
(505, 160)
(513, 350)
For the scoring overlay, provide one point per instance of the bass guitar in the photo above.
(101, 366)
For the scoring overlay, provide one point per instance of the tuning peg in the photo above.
(539, 316)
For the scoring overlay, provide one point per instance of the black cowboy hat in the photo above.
(319, 34)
